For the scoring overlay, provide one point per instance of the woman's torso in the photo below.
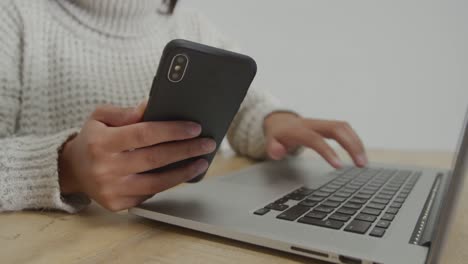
(69, 67)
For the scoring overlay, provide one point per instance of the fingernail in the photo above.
(337, 163)
(200, 166)
(361, 160)
(193, 129)
(275, 156)
(208, 145)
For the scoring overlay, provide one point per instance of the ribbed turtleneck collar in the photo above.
(123, 18)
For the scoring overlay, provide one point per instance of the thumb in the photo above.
(119, 116)
(275, 149)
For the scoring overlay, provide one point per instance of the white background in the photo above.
(396, 70)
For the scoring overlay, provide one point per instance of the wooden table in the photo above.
(96, 236)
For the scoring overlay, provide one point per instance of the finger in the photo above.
(344, 135)
(124, 202)
(145, 159)
(152, 183)
(314, 141)
(119, 116)
(146, 134)
(275, 149)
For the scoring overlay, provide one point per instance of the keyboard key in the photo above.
(352, 205)
(346, 211)
(380, 201)
(382, 223)
(315, 198)
(328, 190)
(394, 186)
(402, 195)
(324, 209)
(337, 199)
(334, 186)
(321, 194)
(330, 203)
(388, 172)
(316, 214)
(308, 203)
(371, 211)
(384, 196)
(323, 223)
(295, 196)
(277, 207)
(357, 226)
(404, 174)
(349, 190)
(343, 170)
(366, 192)
(376, 206)
(305, 191)
(340, 181)
(399, 200)
(387, 217)
(354, 185)
(387, 193)
(358, 201)
(370, 188)
(262, 211)
(293, 213)
(396, 205)
(343, 194)
(392, 211)
(366, 217)
(353, 172)
(374, 185)
(363, 196)
(281, 200)
(340, 217)
(377, 232)
(371, 172)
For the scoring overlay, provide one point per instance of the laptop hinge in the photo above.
(423, 233)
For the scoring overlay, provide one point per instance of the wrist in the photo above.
(67, 182)
(278, 116)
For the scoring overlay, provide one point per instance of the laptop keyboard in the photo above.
(359, 200)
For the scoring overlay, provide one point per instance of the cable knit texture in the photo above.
(60, 59)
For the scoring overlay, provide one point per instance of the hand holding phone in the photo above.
(202, 84)
(105, 159)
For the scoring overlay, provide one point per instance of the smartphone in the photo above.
(199, 83)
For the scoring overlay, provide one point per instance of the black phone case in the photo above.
(214, 85)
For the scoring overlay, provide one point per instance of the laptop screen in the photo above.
(445, 217)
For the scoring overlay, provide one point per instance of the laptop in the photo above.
(379, 214)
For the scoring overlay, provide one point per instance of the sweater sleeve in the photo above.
(28, 164)
(246, 134)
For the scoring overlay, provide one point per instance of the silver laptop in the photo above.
(379, 214)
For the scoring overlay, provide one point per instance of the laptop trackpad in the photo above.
(295, 171)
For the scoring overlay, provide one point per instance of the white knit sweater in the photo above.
(59, 59)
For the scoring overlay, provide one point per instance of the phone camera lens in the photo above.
(175, 76)
(180, 59)
(177, 68)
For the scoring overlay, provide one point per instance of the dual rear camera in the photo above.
(178, 67)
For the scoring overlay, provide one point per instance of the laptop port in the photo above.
(310, 252)
(350, 260)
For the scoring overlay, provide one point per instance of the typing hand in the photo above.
(285, 132)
